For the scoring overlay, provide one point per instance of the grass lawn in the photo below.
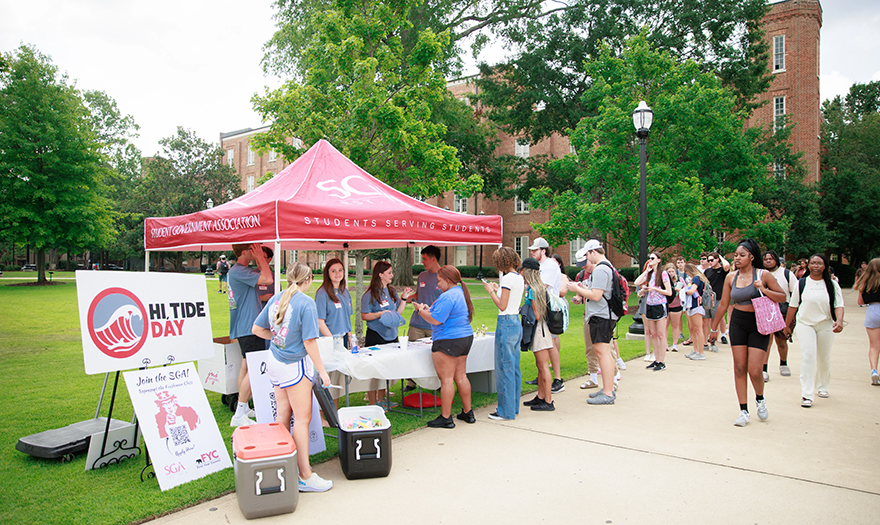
(47, 388)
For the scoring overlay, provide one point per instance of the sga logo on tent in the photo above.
(117, 322)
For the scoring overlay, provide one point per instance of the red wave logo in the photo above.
(118, 336)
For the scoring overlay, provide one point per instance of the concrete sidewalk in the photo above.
(666, 452)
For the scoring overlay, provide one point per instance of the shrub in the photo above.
(472, 271)
(630, 272)
(846, 274)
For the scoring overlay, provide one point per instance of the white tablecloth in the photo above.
(390, 362)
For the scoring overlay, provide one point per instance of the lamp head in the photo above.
(643, 117)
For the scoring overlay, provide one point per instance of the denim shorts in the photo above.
(872, 316)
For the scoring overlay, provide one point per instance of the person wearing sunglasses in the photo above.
(658, 286)
(716, 273)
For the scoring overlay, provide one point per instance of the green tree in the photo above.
(850, 183)
(702, 168)
(182, 177)
(51, 167)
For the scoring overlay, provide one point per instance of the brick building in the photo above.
(792, 29)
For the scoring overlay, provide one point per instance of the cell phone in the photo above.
(485, 281)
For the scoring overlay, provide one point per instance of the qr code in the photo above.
(179, 435)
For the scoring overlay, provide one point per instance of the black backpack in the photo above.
(617, 303)
(224, 268)
(555, 318)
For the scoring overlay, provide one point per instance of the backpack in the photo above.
(224, 268)
(619, 292)
(557, 314)
(708, 299)
(802, 283)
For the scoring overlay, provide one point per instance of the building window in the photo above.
(250, 156)
(574, 246)
(297, 143)
(779, 169)
(460, 204)
(521, 149)
(779, 53)
(519, 205)
(461, 255)
(250, 183)
(571, 149)
(322, 259)
(273, 156)
(230, 157)
(719, 236)
(778, 113)
(417, 255)
(521, 246)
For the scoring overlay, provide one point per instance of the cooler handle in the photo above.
(271, 490)
(377, 455)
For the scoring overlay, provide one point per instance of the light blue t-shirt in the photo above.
(337, 316)
(369, 305)
(300, 324)
(452, 312)
(428, 292)
(244, 303)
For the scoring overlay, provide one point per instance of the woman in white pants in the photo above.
(819, 313)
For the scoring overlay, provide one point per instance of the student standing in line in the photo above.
(747, 344)
(508, 333)
(222, 272)
(717, 271)
(788, 283)
(819, 314)
(657, 284)
(536, 297)
(868, 286)
(693, 298)
(601, 319)
(675, 308)
(551, 276)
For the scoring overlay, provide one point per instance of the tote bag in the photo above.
(767, 315)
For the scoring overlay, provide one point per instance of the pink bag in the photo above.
(767, 315)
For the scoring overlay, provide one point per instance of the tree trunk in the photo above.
(41, 265)
(401, 264)
(358, 293)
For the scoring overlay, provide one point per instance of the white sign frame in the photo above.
(134, 320)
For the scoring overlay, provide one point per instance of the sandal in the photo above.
(687, 343)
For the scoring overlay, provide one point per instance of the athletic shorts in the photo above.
(223, 278)
(675, 309)
(601, 330)
(710, 312)
(655, 312)
(744, 331)
(872, 316)
(695, 311)
(251, 343)
(453, 347)
(286, 375)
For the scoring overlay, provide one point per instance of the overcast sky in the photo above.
(196, 63)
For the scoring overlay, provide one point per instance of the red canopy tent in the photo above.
(323, 201)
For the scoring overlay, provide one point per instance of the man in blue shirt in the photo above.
(427, 291)
(244, 307)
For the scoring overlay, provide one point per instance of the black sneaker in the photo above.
(532, 382)
(536, 400)
(723, 340)
(442, 422)
(659, 366)
(544, 406)
(652, 366)
(557, 386)
(467, 417)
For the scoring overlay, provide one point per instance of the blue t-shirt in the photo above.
(369, 305)
(337, 316)
(428, 291)
(452, 312)
(244, 303)
(300, 324)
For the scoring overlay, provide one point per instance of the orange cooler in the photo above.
(266, 475)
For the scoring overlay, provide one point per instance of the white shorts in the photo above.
(289, 374)
(695, 311)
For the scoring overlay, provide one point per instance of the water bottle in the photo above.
(354, 346)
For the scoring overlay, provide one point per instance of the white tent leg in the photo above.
(278, 259)
(146, 261)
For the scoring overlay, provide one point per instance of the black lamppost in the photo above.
(643, 117)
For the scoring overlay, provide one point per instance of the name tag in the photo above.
(383, 304)
(338, 306)
(422, 284)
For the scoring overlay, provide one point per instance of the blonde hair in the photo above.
(670, 270)
(539, 300)
(869, 281)
(693, 271)
(296, 275)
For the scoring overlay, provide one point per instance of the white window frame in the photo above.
(230, 157)
(574, 246)
(519, 205)
(778, 111)
(273, 155)
(461, 256)
(779, 53)
(719, 236)
(250, 156)
(417, 255)
(250, 183)
(460, 204)
(779, 169)
(297, 143)
(521, 148)
(521, 246)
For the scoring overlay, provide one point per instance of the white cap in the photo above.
(539, 243)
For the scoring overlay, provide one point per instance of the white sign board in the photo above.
(264, 400)
(177, 424)
(133, 320)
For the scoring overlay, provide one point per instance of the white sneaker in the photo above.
(875, 378)
(315, 483)
(691, 354)
(715, 348)
(766, 377)
(251, 414)
(649, 358)
(763, 414)
(742, 419)
(621, 364)
(698, 357)
(241, 421)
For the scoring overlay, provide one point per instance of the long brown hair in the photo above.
(451, 274)
(539, 300)
(375, 288)
(869, 281)
(296, 275)
(327, 285)
(651, 271)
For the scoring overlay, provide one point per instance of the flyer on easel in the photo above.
(177, 423)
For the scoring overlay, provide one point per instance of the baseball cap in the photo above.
(539, 243)
(581, 257)
(222, 256)
(531, 263)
